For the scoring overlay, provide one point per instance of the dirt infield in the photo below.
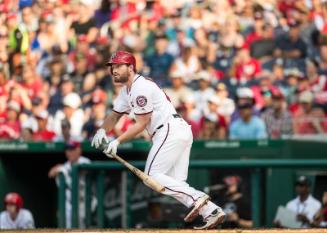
(174, 231)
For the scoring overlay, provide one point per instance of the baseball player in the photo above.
(172, 138)
(15, 217)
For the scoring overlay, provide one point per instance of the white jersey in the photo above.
(24, 220)
(145, 97)
(309, 207)
(66, 169)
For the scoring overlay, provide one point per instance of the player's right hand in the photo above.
(99, 137)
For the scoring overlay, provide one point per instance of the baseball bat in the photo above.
(147, 180)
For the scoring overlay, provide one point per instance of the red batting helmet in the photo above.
(122, 57)
(15, 199)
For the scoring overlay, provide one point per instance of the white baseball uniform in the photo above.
(172, 138)
(66, 169)
(24, 220)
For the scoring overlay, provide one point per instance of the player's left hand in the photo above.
(112, 148)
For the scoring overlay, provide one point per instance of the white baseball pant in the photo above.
(168, 162)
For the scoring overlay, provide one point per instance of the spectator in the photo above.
(188, 63)
(85, 24)
(191, 114)
(178, 92)
(291, 45)
(42, 133)
(226, 105)
(205, 91)
(308, 119)
(278, 119)
(63, 88)
(245, 67)
(304, 205)
(89, 86)
(73, 113)
(73, 154)
(15, 216)
(262, 47)
(244, 95)
(160, 62)
(31, 82)
(320, 219)
(247, 126)
(10, 128)
(317, 81)
(65, 129)
(213, 125)
(235, 205)
(292, 80)
(98, 113)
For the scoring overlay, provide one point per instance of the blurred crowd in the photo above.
(237, 69)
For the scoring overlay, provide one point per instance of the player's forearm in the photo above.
(132, 131)
(110, 121)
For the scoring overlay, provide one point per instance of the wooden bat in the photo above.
(147, 180)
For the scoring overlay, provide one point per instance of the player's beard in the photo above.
(121, 78)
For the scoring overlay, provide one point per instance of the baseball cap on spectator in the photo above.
(293, 72)
(244, 92)
(306, 97)
(176, 74)
(303, 180)
(13, 105)
(99, 96)
(71, 145)
(72, 100)
(42, 115)
(203, 75)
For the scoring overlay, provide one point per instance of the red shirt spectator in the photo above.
(120, 13)
(307, 119)
(31, 82)
(212, 124)
(246, 67)
(10, 128)
(43, 134)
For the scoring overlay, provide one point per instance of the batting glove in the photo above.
(99, 137)
(112, 148)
